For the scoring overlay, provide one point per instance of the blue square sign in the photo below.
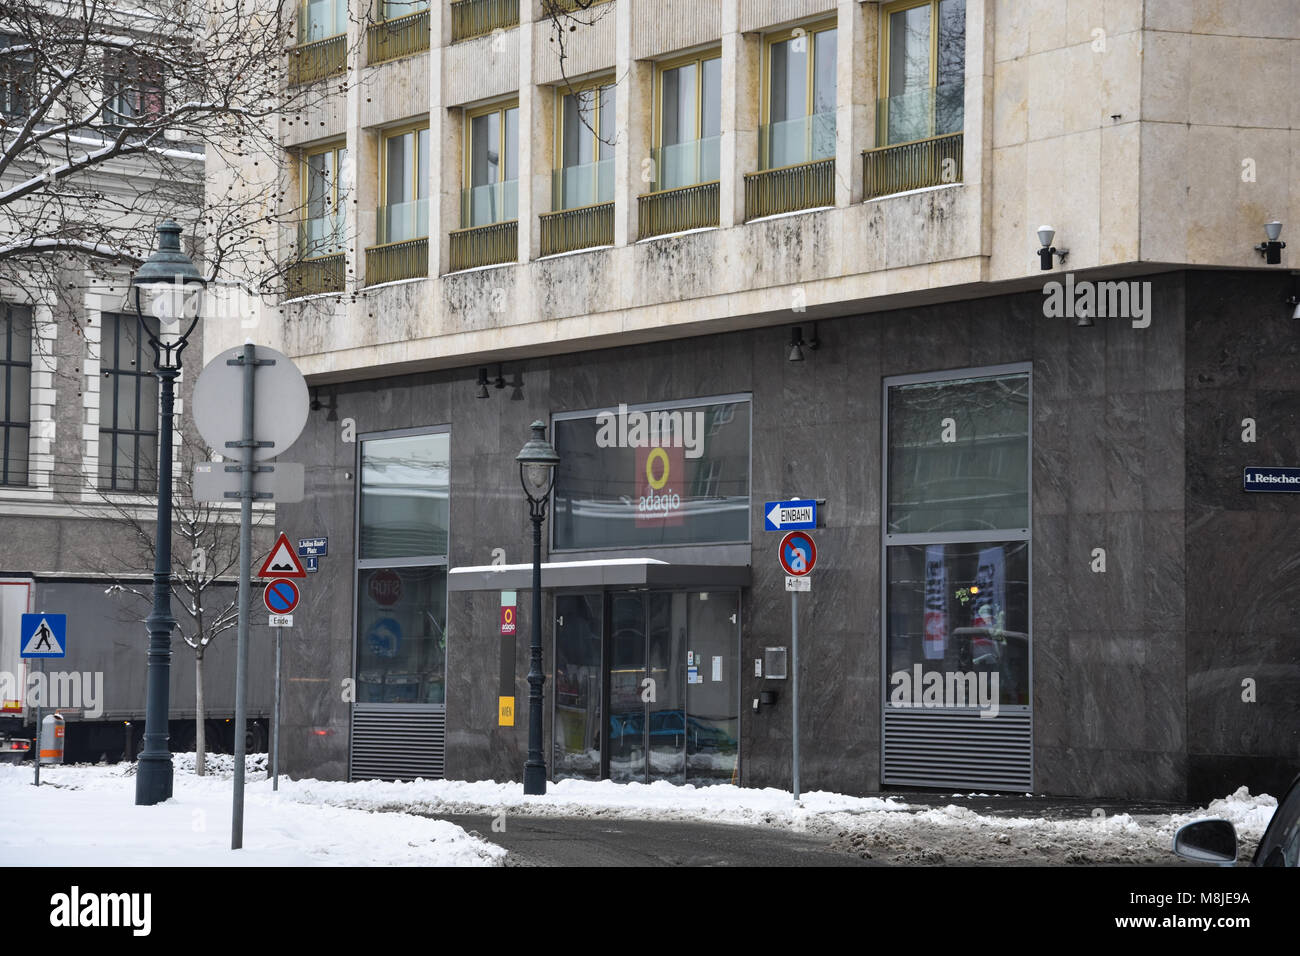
(44, 635)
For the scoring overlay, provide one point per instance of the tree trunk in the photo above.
(200, 741)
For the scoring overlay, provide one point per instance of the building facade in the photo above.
(732, 253)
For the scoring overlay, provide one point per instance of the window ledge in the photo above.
(913, 192)
(787, 215)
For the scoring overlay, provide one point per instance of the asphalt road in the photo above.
(564, 841)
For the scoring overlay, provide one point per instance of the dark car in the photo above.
(1215, 841)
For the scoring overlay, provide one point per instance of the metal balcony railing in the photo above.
(397, 260)
(489, 245)
(317, 276)
(676, 210)
(316, 61)
(396, 38)
(927, 162)
(580, 228)
(550, 7)
(476, 18)
(790, 188)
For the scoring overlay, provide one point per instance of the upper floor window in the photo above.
(133, 89)
(15, 392)
(800, 102)
(405, 186)
(491, 167)
(924, 69)
(585, 173)
(17, 73)
(319, 19)
(323, 195)
(128, 407)
(689, 129)
(392, 9)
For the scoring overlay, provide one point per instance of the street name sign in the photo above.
(1271, 479)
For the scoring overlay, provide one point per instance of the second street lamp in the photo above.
(167, 287)
(537, 461)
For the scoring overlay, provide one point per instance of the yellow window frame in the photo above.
(305, 173)
(394, 133)
(303, 23)
(886, 11)
(467, 152)
(765, 80)
(384, 16)
(574, 89)
(665, 66)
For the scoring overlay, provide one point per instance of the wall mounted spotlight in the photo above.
(482, 384)
(1294, 299)
(332, 408)
(500, 380)
(797, 343)
(1047, 250)
(1272, 250)
(517, 387)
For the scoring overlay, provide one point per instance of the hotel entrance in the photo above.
(647, 686)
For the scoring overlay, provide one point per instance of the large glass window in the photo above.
(405, 186)
(324, 201)
(653, 476)
(585, 175)
(128, 407)
(17, 76)
(924, 54)
(402, 569)
(800, 103)
(957, 541)
(492, 167)
(690, 123)
(392, 9)
(15, 392)
(319, 19)
(133, 89)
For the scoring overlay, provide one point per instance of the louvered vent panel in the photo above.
(961, 751)
(398, 745)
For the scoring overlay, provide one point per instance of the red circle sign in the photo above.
(797, 553)
(385, 587)
(281, 596)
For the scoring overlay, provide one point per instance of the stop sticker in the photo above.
(385, 587)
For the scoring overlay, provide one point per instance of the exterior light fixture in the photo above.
(1272, 249)
(797, 343)
(482, 384)
(500, 381)
(1047, 250)
(537, 462)
(169, 288)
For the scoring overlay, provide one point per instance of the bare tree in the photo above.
(205, 560)
(568, 16)
(108, 112)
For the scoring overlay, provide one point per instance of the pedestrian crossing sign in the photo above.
(44, 635)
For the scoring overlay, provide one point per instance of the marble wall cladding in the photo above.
(1137, 669)
(1243, 594)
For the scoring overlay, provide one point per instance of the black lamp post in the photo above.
(537, 463)
(168, 288)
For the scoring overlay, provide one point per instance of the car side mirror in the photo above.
(1207, 841)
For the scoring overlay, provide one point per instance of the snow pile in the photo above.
(1249, 814)
(654, 801)
(86, 816)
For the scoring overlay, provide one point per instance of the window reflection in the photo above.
(404, 495)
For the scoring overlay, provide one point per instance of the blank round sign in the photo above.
(280, 403)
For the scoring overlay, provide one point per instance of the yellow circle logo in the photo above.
(656, 454)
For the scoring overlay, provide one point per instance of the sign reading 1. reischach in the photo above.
(1271, 479)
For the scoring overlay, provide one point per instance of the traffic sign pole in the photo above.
(275, 741)
(794, 675)
(797, 555)
(36, 751)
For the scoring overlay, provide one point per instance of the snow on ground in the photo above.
(86, 816)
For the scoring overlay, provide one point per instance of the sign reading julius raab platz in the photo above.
(1271, 479)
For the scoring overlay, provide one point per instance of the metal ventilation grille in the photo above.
(398, 744)
(936, 749)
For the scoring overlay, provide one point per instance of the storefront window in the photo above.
(402, 570)
(652, 476)
(957, 542)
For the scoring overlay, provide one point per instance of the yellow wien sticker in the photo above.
(506, 711)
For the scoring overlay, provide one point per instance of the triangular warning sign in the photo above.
(282, 562)
(42, 640)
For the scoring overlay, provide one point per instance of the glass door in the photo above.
(712, 687)
(579, 628)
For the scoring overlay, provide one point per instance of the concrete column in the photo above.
(445, 127)
(634, 116)
(534, 139)
(741, 60)
(856, 67)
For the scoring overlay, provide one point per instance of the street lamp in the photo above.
(537, 463)
(166, 287)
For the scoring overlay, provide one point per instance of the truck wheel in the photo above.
(255, 738)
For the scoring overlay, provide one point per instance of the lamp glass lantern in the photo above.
(169, 288)
(537, 462)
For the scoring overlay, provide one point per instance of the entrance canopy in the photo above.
(608, 572)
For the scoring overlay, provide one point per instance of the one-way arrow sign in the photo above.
(796, 515)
